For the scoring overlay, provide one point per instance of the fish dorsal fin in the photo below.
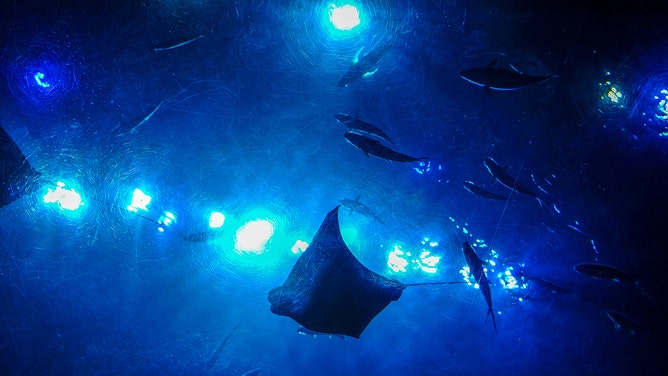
(357, 199)
(491, 64)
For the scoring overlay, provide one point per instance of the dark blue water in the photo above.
(246, 127)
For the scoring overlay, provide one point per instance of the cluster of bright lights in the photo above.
(166, 220)
(611, 94)
(509, 281)
(662, 105)
(66, 199)
(254, 236)
(398, 260)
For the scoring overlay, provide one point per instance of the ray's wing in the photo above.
(329, 290)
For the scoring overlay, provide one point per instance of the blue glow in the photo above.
(140, 201)
(216, 220)
(254, 236)
(166, 220)
(66, 199)
(345, 17)
(39, 78)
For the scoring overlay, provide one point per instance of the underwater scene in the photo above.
(293, 187)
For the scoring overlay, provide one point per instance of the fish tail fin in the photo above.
(490, 311)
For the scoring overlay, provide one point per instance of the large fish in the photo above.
(490, 77)
(600, 271)
(132, 125)
(370, 146)
(363, 66)
(625, 322)
(476, 190)
(355, 124)
(501, 175)
(478, 272)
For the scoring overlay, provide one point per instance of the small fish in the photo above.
(600, 271)
(175, 43)
(359, 208)
(374, 147)
(476, 190)
(478, 272)
(625, 322)
(501, 175)
(366, 65)
(355, 124)
(132, 125)
(312, 333)
(490, 77)
(545, 284)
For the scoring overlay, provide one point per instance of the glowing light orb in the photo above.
(216, 220)
(253, 236)
(39, 78)
(345, 17)
(299, 247)
(67, 199)
(140, 201)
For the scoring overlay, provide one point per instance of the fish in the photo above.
(175, 43)
(501, 175)
(132, 125)
(201, 236)
(476, 190)
(478, 272)
(370, 146)
(490, 77)
(600, 271)
(625, 322)
(312, 333)
(355, 124)
(366, 65)
(358, 207)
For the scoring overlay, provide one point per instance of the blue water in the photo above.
(246, 127)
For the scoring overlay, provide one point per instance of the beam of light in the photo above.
(216, 220)
(140, 201)
(253, 236)
(65, 199)
(345, 17)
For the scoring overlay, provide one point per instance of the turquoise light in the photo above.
(39, 78)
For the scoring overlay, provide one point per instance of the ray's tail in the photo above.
(490, 311)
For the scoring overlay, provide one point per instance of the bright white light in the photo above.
(140, 201)
(67, 199)
(345, 17)
(216, 220)
(396, 260)
(299, 247)
(253, 236)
